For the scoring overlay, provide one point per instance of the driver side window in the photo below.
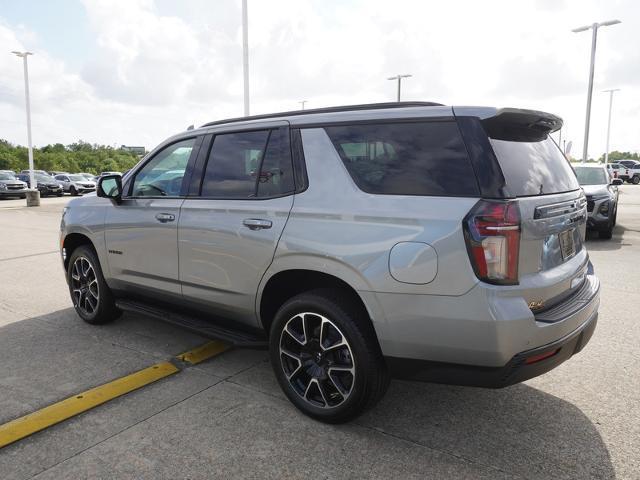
(162, 175)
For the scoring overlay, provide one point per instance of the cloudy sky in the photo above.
(136, 71)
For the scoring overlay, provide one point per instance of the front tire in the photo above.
(608, 233)
(326, 357)
(73, 191)
(90, 294)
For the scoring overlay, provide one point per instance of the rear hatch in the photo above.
(552, 261)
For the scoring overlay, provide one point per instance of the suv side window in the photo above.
(417, 158)
(162, 175)
(248, 165)
(276, 171)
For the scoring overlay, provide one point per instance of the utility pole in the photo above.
(399, 79)
(302, 102)
(24, 55)
(594, 36)
(611, 91)
(245, 56)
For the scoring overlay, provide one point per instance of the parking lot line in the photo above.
(203, 352)
(58, 412)
(72, 406)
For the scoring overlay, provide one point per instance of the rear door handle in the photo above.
(256, 223)
(165, 217)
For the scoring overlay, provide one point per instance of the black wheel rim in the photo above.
(84, 286)
(317, 360)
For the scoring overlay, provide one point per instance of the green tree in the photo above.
(76, 157)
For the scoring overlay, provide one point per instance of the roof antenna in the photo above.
(190, 127)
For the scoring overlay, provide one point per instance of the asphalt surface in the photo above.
(226, 417)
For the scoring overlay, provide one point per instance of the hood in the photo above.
(593, 190)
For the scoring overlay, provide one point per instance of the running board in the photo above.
(201, 326)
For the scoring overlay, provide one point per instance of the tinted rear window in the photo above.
(421, 158)
(534, 168)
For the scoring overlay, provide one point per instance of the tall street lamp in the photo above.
(303, 102)
(245, 56)
(24, 56)
(611, 91)
(594, 27)
(399, 79)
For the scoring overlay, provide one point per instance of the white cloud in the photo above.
(159, 67)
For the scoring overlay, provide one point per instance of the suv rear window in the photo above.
(418, 158)
(534, 168)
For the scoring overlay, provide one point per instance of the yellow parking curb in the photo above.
(58, 412)
(203, 352)
(72, 406)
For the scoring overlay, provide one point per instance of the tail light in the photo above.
(492, 234)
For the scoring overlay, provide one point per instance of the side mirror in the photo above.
(110, 186)
(616, 181)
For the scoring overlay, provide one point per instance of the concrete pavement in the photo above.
(226, 418)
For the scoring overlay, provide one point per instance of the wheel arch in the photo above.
(286, 283)
(72, 241)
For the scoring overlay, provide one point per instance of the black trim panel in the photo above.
(485, 164)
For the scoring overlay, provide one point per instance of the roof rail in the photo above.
(344, 108)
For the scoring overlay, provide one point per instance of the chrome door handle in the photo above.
(165, 217)
(256, 223)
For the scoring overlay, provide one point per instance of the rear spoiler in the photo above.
(521, 125)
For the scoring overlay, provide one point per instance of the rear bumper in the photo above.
(486, 327)
(523, 366)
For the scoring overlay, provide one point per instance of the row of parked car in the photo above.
(53, 183)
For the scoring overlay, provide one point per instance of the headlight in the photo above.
(3, 186)
(604, 208)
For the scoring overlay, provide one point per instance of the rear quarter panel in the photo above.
(336, 228)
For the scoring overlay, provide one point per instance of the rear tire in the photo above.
(326, 357)
(90, 294)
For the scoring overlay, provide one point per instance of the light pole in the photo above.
(24, 56)
(606, 154)
(399, 78)
(245, 56)
(302, 102)
(594, 36)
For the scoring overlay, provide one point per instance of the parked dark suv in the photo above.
(413, 240)
(46, 184)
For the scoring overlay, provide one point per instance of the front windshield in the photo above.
(77, 178)
(43, 178)
(6, 176)
(591, 176)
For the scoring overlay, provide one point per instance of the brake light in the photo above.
(492, 234)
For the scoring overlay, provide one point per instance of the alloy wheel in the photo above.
(84, 286)
(317, 360)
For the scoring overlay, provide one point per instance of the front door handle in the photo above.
(256, 223)
(165, 217)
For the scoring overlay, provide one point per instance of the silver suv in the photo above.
(408, 240)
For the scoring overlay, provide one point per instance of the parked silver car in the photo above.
(413, 240)
(10, 186)
(75, 184)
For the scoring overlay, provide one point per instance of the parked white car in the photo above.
(75, 184)
(633, 167)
